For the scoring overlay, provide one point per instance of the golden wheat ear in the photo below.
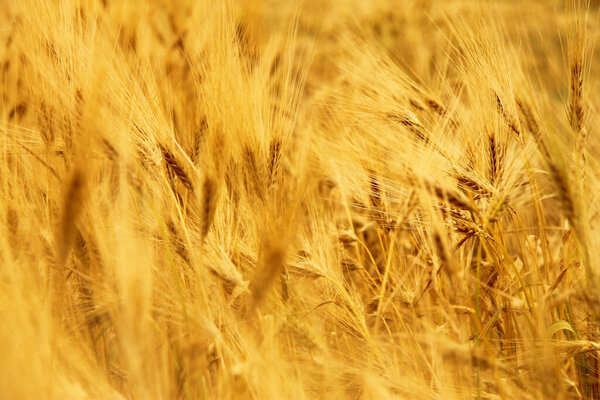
(72, 206)
(210, 192)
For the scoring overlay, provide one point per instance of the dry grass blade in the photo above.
(44, 163)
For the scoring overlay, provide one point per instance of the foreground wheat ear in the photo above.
(256, 199)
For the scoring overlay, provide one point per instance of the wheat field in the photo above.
(318, 199)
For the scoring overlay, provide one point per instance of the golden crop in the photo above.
(318, 199)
